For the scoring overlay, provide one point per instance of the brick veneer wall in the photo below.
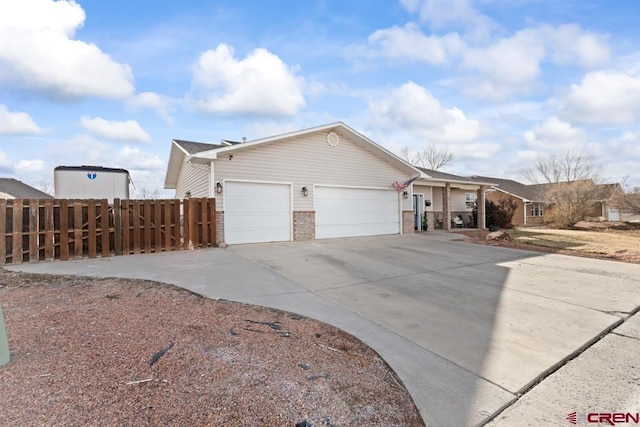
(304, 225)
(407, 222)
(481, 208)
(431, 218)
(219, 227)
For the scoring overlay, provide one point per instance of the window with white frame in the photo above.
(470, 199)
(537, 209)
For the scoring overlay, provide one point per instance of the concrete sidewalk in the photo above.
(466, 327)
(603, 380)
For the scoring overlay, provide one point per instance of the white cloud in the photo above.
(161, 104)
(451, 13)
(409, 42)
(569, 44)
(5, 164)
(413, 108)
(556, 135)
(512, 64)
(497, 68)
(13, 122)
(38, 51)
(27, 166)
(260, 84)
(513, 60)
(128, 130)
(603, 97)
(134, 158)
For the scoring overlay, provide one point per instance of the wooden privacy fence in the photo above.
(50, 229)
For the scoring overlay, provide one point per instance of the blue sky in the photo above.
(497, 82)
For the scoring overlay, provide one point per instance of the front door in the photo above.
(418, 211)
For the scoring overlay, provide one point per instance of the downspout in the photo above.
(212, 181)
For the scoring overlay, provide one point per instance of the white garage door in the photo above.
(256, 212)
(349, 212)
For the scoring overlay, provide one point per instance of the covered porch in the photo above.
(446, 201)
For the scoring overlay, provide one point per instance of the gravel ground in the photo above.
(128, 352)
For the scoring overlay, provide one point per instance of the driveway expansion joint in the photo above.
(553, 369)
(625, 336)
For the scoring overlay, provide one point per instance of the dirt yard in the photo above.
(606, 242)
(129, 352)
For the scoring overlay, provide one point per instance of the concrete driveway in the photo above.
(466, 327)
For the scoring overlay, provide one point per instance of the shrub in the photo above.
(500, 214)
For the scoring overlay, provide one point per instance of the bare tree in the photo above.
(431, 157)
(145, 193)
(570, 185)
(46, 187)
(569, 166)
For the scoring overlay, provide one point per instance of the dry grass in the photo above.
(609, 242)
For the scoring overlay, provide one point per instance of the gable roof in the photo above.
(607, 191)
(191, 147)
(208, 152)
(20, 190)
(528, 193)
(431, 174)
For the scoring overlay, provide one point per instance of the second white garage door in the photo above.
(350, 212)
(256, 212)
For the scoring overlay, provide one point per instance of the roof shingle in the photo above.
(20, 190)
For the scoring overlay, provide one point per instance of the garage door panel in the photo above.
(351, 212)
(257, 212)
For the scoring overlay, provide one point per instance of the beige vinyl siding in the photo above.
(307, 161)
(437, 199)
(458, 201)
(193, 177)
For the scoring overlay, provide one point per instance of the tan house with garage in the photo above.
(324, 182)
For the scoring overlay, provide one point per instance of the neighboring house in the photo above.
(324, 182)
(532, 204)
(529, 200)
(604, 206)
(13, 189)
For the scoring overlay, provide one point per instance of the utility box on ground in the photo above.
(91, 182)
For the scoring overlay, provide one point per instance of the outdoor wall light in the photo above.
(305, 192)
(218, 188)
(187, 194)
(405, 195)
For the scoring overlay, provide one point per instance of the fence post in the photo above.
(49, 244)
(16, 255)
(78, 241)
(212, 221)
(117, 227)
(105, 228)
(64, 229)
(34, 229)
(157, 223)
(136, 226)
(91, 226)
(3, 231)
